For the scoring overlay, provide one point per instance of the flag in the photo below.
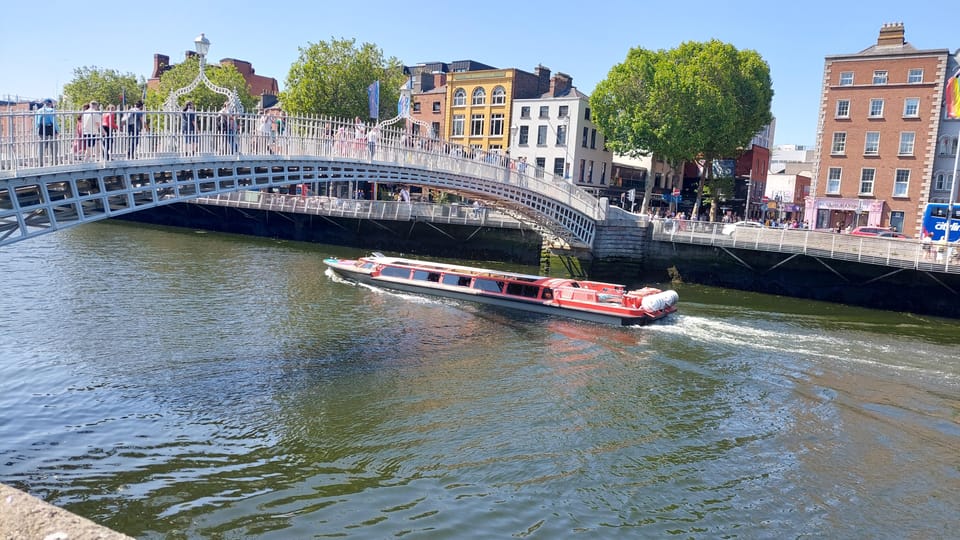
(953, 97)
(403, 106)
(373, 98)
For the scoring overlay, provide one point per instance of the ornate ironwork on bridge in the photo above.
(155, 167)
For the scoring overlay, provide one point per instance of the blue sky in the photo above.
(40, 47)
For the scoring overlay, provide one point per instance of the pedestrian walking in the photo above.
(47, 130)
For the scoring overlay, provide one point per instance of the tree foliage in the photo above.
(700, 101)
(332, 77)
(105, 86)
(184, 73)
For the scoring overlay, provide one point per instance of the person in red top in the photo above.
(110, 127)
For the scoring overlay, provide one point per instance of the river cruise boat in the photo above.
(574, 298)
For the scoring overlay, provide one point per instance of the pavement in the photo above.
(25, 517)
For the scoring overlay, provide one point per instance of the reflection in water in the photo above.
(171, 384)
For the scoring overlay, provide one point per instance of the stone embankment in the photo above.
(24, 517)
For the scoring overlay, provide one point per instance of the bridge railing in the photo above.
(78, 137)
(894, 252)
(365, 209)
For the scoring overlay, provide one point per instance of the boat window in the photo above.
(488, 285)
(548, 294)
(519, 289)
(393, 271)
(434, 277)
(367, 265)
(423, 275)
(455, 280)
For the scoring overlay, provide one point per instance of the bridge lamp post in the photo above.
(202, 46)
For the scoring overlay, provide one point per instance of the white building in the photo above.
(555, 134)
(782, 155)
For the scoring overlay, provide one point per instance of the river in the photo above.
(170, 383)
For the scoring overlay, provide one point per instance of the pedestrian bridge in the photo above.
(54, 180)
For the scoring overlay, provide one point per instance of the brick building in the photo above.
(880, 112)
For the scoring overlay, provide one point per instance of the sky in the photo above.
(585, 40)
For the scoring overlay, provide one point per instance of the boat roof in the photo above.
(472, 270)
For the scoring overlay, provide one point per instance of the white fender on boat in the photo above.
(660, 301)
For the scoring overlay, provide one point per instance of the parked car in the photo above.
(892, 234)
(730, 228)
(869, 231)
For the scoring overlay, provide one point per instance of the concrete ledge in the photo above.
(26, 517)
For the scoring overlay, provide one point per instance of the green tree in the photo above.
(332, 78)
(700, 101)
(103, 85)
(184, 73)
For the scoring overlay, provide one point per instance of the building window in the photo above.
(499, 96)
(524, 136)
(561, 135)
(541, 165)
(564, 111)
(940, 183)
(590, 172)
(586, 134)
(876, 108)
(872, 145)
(880, 77)
(541, 135)
(544, 112)
(907, 139)
(436, 106)
(915, 76)
(586, 113)
(833, 180)
(593, 139)
(457, 125)
(416, 106)
(435, 127)
(479, 96)
(496, 124)
(476, 125)
(459, 97)
(558, 166)
(866, 181)
(524, 112)
(839, 143)
(603, 173)
(846, 78)
(911, 107)
(843, 108)
(901, 183)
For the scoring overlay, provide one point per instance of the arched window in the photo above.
(459, 97)
(941, 181)
(499, 96)
(479, 96)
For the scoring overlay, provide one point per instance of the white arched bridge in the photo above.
(77, 171)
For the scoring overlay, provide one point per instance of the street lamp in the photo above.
(202, 45)
(746, 208)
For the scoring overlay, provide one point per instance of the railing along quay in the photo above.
(893, 252)
(323, 205)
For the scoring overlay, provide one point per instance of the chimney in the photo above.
(160, 63)
(543, 78)
(560, 84)
(891, 34)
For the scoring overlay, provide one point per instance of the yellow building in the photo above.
(479, 104)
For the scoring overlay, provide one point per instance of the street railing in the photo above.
(886, 251)
(26, 145)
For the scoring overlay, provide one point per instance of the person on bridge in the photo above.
(189, 117)
(92, 121)
(110, 127)
(47, 130)
(133, 119)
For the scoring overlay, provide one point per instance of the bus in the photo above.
(935, 221)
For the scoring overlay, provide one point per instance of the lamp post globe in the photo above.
(202, 44)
